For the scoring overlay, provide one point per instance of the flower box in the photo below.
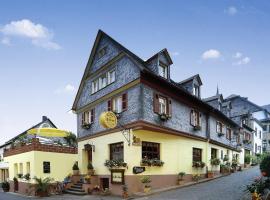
(152, 162)
(115, 164)
(86, 126)
(164, 117)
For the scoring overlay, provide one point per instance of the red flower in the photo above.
(264, 173)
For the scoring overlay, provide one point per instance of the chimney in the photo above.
(44, 118)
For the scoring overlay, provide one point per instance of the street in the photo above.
(226, 188)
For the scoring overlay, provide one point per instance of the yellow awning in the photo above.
(48, 132)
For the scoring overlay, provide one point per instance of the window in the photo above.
(88, 117)
(102, 52)
(103, 80)
(213, 153)
(229, 134)
(117, 151)
(195, 118)
(150, 150)
(197, 155)
(260, 134)
(163, 71)
(256, 131)
(247, 136)
(46, 167)
(219, 127)
(244, 121)
(256, 148)
(196, 90)
(162, 105)
(111, 76)
(221, 154)
(28, 167)
(94, 86)
(259, 149)
(118, 104)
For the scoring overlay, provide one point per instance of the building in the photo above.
(159, 120)
(33, 156)
(266, 130)
(3, 166)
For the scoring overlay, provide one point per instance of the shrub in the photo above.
(20, 175)
(226, 158)
(5, 186)
(71, 139)
(90, 166)
(42, 185)
(265, 166)
(75, 166)
(247, 159)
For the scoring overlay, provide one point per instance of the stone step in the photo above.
(75, 192)
(77, 186)
(77, 189)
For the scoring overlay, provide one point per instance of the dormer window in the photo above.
(163, 71)
(196, 91)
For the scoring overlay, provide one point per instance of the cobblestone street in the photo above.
(227, 188)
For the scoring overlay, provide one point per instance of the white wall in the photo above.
(257, 139)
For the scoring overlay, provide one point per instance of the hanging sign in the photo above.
(138, 170)
(108, 120)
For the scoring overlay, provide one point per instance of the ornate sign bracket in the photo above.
(126, 134)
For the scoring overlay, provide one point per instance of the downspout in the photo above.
(208, 139)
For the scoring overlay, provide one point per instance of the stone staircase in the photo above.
(76, 189)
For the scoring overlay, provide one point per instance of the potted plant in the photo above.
(197, 127)
(265, 166)
(196, 177)
(125, 192)
(247, 160)
(20, 175)
(214, 162)
(90, 168)
(180, 177)
(42, 186)
(115, 163)
(27, 176)
(146, 180)
(16, 184)
(75, 168)
(164, 117)
(5, 186)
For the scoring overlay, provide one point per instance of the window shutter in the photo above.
(192, 117)
(200, 119)
(83, 117)
(156, 103)
(110, 105)
(169, 107)
(124, 102)
(92, 118)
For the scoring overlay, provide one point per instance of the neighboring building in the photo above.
(38, 156)
(257, 126)
(157, 119)
(266, 130)
(3, 166)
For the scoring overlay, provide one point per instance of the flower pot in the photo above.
(42, 193)
(125, 195)
(76, 172)
(147, 189)
(210, 174)
(179, 182)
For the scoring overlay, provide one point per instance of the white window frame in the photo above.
(111, 76)
(94, 86)
(117, 104)
(162, 104)
(163, 71)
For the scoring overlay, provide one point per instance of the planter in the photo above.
(76, 172)
(210, 174)
(125, 195)
(147, 189)
(197, 128)
(42, 194)
(5, 189)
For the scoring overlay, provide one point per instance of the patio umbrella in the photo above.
(48, 132)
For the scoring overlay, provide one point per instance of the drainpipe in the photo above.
(208, 139)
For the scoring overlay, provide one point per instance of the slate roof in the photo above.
(190, 79)
(267, 107)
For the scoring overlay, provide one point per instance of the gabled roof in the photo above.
(166, 53)
(197, 76)
(25, 132)
(101, 34)
(219, 96)
(267, 107)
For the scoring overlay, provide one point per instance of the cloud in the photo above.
(211, 54)
(176, 53)
(242, 61)
(68, 89)
(231, 11)
(38, 34)
(238, 55)
(6, 41)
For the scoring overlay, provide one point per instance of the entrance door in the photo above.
(89, 155)
(105, 183)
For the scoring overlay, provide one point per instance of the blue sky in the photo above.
(44, 47)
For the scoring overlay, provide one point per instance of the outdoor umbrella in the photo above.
(48, 132)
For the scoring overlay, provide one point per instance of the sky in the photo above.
(45, 45)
